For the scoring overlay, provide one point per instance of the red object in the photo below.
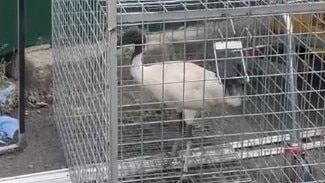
(197, 62)
(294, 151)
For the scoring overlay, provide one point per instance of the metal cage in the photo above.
(114, 130)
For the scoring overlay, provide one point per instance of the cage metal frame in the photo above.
(113, 19)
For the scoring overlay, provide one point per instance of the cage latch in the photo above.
(232, 45)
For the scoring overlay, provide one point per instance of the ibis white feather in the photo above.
(179, 84)
(182, 85)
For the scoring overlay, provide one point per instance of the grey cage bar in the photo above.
(119, 118)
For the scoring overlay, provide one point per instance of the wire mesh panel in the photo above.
(206, 91)
(81, 82)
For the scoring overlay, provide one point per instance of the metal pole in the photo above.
(296, 154)
(291, 81)
(21, 64)
(113, 96)
(290, 98)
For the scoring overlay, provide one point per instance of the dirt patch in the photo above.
(43, 151)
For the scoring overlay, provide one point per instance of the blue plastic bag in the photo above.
(9, 130)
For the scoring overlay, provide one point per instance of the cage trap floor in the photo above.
(205, 165)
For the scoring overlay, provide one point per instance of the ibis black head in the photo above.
(132, 35)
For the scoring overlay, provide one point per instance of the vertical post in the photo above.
(291, 81)
(21, 65)
(111, 58)
(290, 97)
(296, 154)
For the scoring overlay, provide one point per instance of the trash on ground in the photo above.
(9, 130)
(5, 92)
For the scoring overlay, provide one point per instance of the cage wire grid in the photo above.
(282, 104)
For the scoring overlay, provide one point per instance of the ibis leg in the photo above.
(189, 132)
